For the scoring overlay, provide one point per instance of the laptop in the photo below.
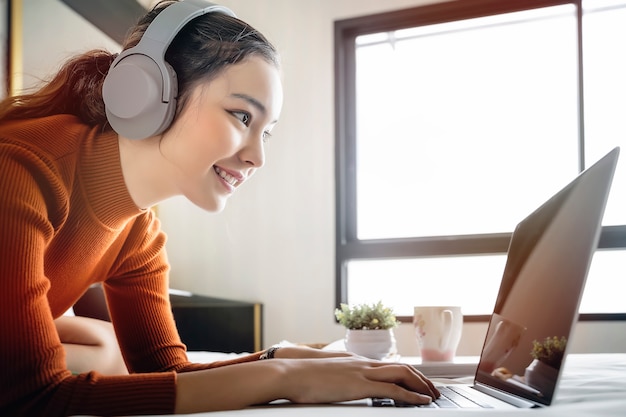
(547, 264)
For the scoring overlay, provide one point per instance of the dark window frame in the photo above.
(348, 246)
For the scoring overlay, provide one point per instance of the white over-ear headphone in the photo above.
(140, 89)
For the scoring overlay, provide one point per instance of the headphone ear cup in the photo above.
(132, 93)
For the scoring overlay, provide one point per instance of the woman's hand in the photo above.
(352, 378)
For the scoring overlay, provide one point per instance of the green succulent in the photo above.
(366, 317)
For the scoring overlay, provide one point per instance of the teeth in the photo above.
(227, 177)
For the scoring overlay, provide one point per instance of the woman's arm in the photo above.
(301, 381)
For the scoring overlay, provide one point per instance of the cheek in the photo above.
(203, 143)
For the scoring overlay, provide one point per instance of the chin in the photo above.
(214, 206)
(207, 200)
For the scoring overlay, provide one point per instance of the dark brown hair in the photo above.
(199, 52)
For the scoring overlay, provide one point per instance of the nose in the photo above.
(253, 153)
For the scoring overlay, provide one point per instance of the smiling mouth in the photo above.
(226, 177)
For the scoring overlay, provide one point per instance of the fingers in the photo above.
(403, 382)
(431, 385)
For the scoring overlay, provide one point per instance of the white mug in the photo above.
(438, 331)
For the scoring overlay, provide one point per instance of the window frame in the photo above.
(348, 246)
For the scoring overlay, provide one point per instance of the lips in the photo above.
(228, 177)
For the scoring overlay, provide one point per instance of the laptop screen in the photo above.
(543, 280)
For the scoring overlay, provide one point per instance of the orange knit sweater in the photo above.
(66, 222)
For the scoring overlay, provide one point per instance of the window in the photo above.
(456, 120)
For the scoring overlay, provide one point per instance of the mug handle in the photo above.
(447, 326)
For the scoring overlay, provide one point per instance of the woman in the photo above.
(75, 211)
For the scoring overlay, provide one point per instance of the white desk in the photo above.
(592, 385)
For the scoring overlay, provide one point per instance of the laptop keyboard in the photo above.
(451, 397)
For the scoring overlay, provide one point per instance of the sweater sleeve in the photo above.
(138, 295)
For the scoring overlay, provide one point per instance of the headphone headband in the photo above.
(155, 40)
(140, 89)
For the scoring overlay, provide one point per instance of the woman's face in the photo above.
(216, 143)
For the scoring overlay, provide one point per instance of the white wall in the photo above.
(274, 243)
(52, 32)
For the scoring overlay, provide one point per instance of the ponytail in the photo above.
(75, 89)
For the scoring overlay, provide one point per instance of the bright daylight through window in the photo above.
(451, 132)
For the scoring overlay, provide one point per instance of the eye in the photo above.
(244, 117)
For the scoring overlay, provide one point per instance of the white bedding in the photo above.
(592, 385)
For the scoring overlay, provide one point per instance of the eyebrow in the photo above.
(254, 102)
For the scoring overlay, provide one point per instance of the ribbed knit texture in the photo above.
(67, 221)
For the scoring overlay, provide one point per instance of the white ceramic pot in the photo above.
(373, 344)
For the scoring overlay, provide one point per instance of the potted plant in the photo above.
(369, 329)
(544, 369)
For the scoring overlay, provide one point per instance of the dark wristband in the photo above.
(269, 353)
